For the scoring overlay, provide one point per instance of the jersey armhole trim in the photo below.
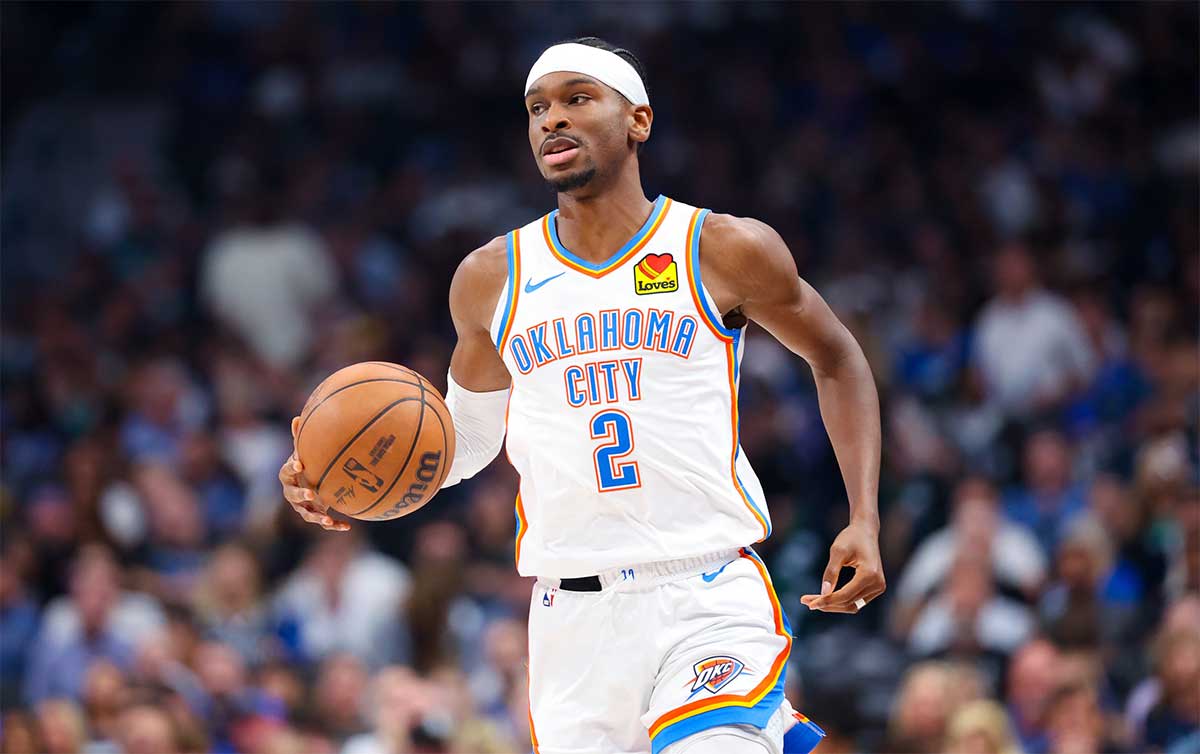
(513, 243)
(699, 294)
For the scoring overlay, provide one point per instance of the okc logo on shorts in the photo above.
(715, 673)
(655, 273)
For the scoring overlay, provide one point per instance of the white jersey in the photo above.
(623, 420)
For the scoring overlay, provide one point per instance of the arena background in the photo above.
(207, 207)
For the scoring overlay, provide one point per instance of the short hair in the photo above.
(620, 52)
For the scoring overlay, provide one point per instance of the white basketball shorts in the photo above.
(662, 651)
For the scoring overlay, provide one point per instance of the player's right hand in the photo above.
(302, 497)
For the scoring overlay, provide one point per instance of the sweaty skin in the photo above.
(746, 267)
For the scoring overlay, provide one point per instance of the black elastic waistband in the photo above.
(581, 584)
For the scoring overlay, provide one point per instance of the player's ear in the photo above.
(295, 427)
(640, 121)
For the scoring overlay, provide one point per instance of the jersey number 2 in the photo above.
(612, 473)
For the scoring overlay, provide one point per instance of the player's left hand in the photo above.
(857, 546)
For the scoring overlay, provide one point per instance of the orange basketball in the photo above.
(376, 441)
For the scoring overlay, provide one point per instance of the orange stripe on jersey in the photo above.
(514, 292)
(758, 692)
(561, 254)
(522, 521)
(522, 527)
(693, 281)
(731, 359)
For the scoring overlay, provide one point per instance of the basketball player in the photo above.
(604, 340)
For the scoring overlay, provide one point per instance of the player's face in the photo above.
(578, 129)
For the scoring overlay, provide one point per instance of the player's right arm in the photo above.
(477, 386)
(475, 290)
(475, 366)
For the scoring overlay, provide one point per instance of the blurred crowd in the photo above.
(208, 207)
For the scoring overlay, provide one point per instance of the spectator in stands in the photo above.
(18, 734)
(346, 597)
(504, 663)
(931, 361)
(980, 727)
(1017, 562)
(1033, 672)
(282, 689)
(266, 276)
(97, 621)
(1183, 574)
(163, 407)
(105, 695)
(1049, 497)
(217, 486)
(61, 726)
(928, 698)
(1030, 348)
(1140, 562)
(1074, 611)
(439, 575)
(1177, 714)
(1075, 722)
(18, 621)
(339, 701)
(468, 726)
(227, 698)
(228, 602)
(1120, 384)
(396, 701)
(146, 729)
(967, 616)
(175, 550)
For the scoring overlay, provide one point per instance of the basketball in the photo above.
(376, 441)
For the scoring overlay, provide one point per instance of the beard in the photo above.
(573, 181)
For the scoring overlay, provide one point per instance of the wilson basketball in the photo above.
(376, 441)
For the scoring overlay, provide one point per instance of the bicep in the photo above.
(785, 305)
(475, 363)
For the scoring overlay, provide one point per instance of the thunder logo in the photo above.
(715, 673)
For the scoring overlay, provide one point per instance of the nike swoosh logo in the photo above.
(708, 577)
(530, 287)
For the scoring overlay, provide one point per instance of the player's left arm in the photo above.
(750, 273)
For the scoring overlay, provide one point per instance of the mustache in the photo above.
(578, 141)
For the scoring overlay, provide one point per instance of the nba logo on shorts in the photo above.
(715, 673)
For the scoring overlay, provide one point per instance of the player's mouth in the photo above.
(559, 151)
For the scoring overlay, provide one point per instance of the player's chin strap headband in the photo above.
(602, 65)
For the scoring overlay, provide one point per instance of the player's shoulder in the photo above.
(485, 263)
(479, 280)
(729, 240)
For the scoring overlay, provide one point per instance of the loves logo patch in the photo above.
(715, 673)
(655, 273)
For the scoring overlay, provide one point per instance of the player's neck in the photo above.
(593, 227)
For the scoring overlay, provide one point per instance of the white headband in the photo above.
(602, 65)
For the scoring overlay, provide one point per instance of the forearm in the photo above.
(850, 409)
(479, 424)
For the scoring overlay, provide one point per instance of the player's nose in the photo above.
(556, 120)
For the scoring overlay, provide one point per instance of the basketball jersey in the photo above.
(622, 420)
